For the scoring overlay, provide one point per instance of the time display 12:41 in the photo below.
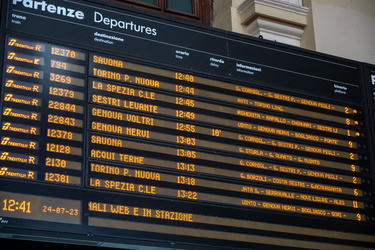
(32, 207)
(13, 205)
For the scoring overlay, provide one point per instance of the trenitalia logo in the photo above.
(51, 8)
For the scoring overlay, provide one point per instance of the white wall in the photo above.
(345, 28)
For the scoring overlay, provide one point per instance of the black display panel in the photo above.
(126, 129)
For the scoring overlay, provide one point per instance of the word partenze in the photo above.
(51, 8)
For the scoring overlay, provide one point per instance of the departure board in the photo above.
(124, 129)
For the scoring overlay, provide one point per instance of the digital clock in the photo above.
(34, 207)
(13, 205)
